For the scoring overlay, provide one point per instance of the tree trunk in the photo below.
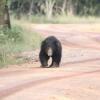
(64, 7)
(30, 10)
(7, 17)
(2, 3)
(70, 8)
(49, 8)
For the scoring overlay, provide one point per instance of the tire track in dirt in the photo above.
(18, 72)
(81, 61)
(68, 43)
(32, 70)
(74, 45)
(30, 83)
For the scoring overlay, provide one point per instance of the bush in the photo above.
(63, 19)
(14, 41)
(14, 34)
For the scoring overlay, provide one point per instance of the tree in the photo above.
(7, 16)
(2, 3)
(4, 14)
(49, 7)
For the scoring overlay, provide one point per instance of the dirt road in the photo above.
(78, 77)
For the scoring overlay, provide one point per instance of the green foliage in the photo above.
(74, 7)
(13, 35)
(64, 19)
(14, 41)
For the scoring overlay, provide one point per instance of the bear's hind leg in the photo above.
(56, 60)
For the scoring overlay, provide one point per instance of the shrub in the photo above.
(14, 41)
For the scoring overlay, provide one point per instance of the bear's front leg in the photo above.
(44, 60)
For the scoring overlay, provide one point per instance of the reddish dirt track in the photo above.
(78, 77)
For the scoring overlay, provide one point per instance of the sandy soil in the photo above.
(78, 77)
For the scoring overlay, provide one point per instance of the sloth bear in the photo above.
(50, 47)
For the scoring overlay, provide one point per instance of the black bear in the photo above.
(50, 47)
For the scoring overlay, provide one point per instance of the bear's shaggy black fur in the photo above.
(50, 47)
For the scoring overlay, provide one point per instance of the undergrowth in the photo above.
(14, 41)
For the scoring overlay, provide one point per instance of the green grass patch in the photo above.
(64, 19)
(14, 41)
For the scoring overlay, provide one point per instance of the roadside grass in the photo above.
(62, 19)
(14, 41)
